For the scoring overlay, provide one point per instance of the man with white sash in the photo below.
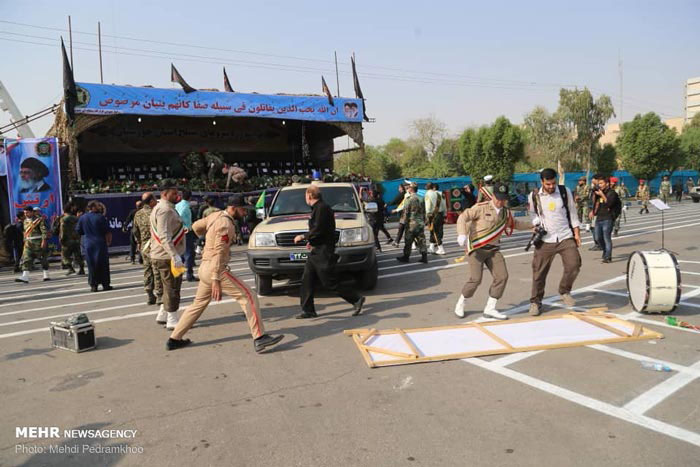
(480, 228)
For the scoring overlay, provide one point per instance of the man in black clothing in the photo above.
(396, 202)
(14, 239)
(606, 209)
(376, 219)
(468, 194)
(320, 265)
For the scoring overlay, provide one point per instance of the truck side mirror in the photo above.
(260, 213)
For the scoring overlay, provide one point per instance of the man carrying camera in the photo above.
(607, 208)
(554, 215)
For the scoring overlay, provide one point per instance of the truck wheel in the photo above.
(263, 284)
(367, 280)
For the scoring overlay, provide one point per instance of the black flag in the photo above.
(227, 83)
(327, 91)
(358, 90)
(70, 95)
(176, 77)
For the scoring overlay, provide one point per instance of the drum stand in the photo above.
(662, 229)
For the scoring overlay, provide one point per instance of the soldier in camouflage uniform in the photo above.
(414, 220)
(665, 189)
(70, 241)
(622, 193)
(142, 232)
(209, 207)
(582, 195)
(36, 237)
(643, 196)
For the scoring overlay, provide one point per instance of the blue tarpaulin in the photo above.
(103, 99)
(523, 183)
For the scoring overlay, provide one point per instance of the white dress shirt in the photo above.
(553, 215)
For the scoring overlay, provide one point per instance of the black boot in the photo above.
(82, 271)
(70, 270)
(174, 344)
(402, 259)
(151, 298)
(266, 340)
(424, 258)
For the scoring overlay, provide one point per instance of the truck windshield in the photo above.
(339, 198)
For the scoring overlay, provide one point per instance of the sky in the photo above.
(462, 62)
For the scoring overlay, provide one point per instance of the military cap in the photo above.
(500, 191)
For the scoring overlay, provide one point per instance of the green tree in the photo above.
(428, 133)
(549, 141)
(415, 162)
(446, 162)
(493, 150)
(396, 148)
(377, 164)
(694, 122)
(585, 118)
(647, 146)
(690, 145)
(605, 159)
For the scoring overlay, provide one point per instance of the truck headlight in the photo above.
(353, 236)
(265, 239)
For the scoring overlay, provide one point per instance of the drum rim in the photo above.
(646, 279)
(678, 276)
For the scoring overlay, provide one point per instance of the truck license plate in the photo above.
(298, 256)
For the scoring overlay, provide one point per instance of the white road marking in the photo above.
(620, 294)
(593, 404)
(692, 293)
(646, 401)
(514, 357)
(695, 372)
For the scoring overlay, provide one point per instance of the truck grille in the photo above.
(286, 239)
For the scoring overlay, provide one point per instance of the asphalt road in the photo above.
(314, 402)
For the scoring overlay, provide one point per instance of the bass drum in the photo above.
(653, 281)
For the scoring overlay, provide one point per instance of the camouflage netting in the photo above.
(69, 134)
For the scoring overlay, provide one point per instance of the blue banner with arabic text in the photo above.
(102, 99)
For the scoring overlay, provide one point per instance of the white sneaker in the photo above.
(23, 278)
(162, 316)
(440, 250)
(490, 310)
(459, 307)
(431, 248)
(588, 227)
(46, 276)
(173, 318)
(413, 247)
(495, 314)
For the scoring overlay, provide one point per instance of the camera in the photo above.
(537, 238)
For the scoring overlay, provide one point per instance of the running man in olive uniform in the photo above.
(479, 229)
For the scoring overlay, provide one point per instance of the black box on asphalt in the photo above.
(76, 338)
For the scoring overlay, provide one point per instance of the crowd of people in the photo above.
(167, 233)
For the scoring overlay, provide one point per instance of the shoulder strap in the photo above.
(536, 202)
(565, 199)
